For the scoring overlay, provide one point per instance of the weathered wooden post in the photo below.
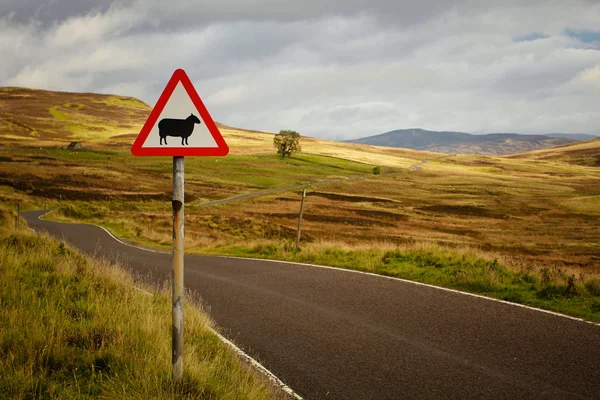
(300, 219)
(18, 215)
(178, 253)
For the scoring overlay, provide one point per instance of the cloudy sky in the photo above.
(336, 69)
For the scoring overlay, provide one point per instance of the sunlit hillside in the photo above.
(583, 153)
(40, 117)
(31, 115)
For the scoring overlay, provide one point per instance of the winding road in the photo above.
(336, 334)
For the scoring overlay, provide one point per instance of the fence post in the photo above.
(300, 219)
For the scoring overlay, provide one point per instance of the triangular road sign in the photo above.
(179, 124)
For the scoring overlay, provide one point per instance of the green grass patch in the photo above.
(80, 156)
(124, 102)
(549, 288)
(251, 172)
(59, 115)
(84, 211)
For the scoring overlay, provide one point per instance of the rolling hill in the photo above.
(463, 143)
(40, 115)
(574, 136)
(581, 153)
(32, 117)
(49, 116)
(41, 118)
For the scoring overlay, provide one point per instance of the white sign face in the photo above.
(179, 108)
(179, 124)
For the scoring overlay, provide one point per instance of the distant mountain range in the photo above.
(575, 136)
(466, 143)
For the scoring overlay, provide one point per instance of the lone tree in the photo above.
(287, 142)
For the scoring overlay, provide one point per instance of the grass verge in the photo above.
(74, 327)
(550, 288)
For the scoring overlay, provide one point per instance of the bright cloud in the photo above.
(325, 68)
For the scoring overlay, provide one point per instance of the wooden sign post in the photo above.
(178, 253)
(179, 113)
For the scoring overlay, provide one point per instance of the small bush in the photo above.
(551, 292)
(571, 287)
(545, 273)
(514, 297)
(376, 170)
(525, 277)
(593, 287)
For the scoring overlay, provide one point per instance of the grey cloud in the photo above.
(544, 76)
(326, 68)
(50, 11)
(191, 13)
(531, 36)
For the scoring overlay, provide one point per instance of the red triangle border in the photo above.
(179, 76)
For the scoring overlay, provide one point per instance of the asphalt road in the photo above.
(334, 334)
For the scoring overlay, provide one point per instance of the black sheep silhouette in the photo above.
(182, 128)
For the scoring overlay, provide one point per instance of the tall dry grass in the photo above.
(75, 327)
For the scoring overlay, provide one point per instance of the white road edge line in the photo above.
(258, 366)
(384, 277)
(420, 284)
(109, 233)
(128, 244)
(271, 376)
